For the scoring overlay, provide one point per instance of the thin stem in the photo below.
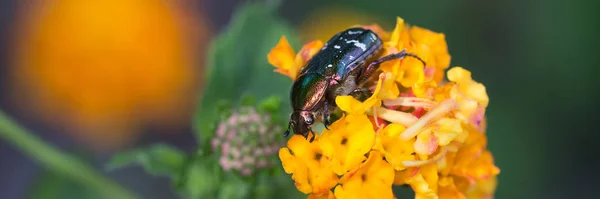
(57, 161)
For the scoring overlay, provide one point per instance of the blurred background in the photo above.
(97, 77)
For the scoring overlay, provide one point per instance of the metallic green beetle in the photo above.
(346, 61)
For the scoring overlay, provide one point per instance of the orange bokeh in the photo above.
(105, 70)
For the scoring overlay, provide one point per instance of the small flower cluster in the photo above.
(246, 141)
(416, 129)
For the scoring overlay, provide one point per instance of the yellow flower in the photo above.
(353, 106)
(447, 189)
(373, 180)
(425, 184)
(310, 168)
(396, 151)
(482, 188)
(470, 95)
(414, 130)
(435, 45)
(349, 139)
(441, 133)
(472, 160)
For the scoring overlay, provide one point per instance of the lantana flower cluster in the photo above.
(417, 128)
(246, 141)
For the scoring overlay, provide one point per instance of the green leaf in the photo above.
(202, 178)
(247, 100)
(237, 63)
(158, 159)
(271, 104)
(235, 187)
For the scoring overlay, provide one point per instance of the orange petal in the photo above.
(326, 195)
(308, 51)
(378, 30)
(282, 57)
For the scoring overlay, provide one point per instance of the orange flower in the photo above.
(286, 62)
(326, 195)
(110, 68)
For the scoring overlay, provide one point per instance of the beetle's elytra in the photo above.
(346, 61)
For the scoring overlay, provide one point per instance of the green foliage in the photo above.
(158, 159)
(200, 175)
(237, 63)
(52, 185)
(201, 178)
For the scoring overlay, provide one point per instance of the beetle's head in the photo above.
(300, 123)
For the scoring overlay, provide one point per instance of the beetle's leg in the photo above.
(287, 132)
(371, 68)
(313, 135)
(326, 115)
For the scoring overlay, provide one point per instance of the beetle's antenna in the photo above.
(287, 132)
(416, 57)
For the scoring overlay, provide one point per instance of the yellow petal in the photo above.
(298, 145)
(426, 143)
(447, 131)
(390, 89)
(301, 179)
(375, 175)
(468, 86)
(459, 75)
(347, 193)
(447, 189)
(411, 73)
(395, 38)
(348, 143)
(396, 150)
(353, 106)
(348, 104)
(421, 187)
(287, 160)
(437, 47)
(430, 174)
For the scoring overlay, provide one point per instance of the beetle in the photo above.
(341, 67)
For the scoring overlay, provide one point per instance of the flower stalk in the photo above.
(58, 161)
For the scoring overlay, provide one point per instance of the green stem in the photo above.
(57, 161)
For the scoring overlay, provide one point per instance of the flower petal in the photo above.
(287, 160)
(426, 143)
(282, 57)
(308, 51)
(349, 139)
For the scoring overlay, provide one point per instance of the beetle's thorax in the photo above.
(308, 91)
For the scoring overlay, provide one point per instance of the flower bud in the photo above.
(247, 141)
